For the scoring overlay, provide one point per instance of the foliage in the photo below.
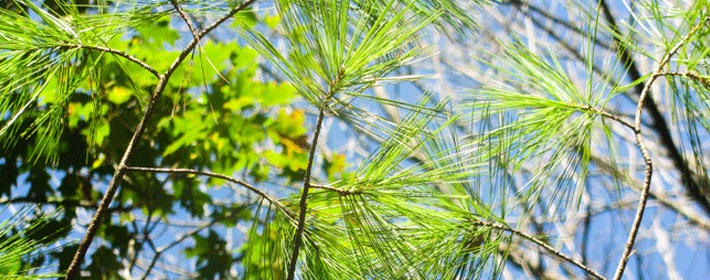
(23, 243)
(278, 143)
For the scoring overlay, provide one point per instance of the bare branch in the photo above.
(118, 53)
(689, 178)
(74, 267)
(644, 151)
(256, 190)
(303, 206)
(608, 115)
(540, 243)
(690, 74)
(184, 17)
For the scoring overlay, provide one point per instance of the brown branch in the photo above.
(690, 74)
(64, 202)
(303, 206)
(184, 17)
(256, 190)
(695, 184)
(644, 151)
(608, 115)
(538, 242)
(338, 190)
(118, 53)
(74, 267)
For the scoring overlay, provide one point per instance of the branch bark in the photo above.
(118, 53)
(74, 266)
(303, 206)
(540, 243)
(695, 184)
(644, 151)
(256, 190)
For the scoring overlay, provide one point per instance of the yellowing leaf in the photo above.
(290, 125)
(297, 116)
(291, 146)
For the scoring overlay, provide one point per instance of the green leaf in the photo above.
(104, 264)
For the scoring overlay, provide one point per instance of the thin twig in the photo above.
(75, 265)
(184, 17)
(256, 190)
(675, 206)
(608, 115)
(303, 206)
(690, 74)
(644, 151)
(338, 190)
(160, 251)
(539, 243)
(65, 202)
(693, 182)
(118, 53)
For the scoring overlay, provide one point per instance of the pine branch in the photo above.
(608, 115)
(540, 243)
(694, 183)
(74, 267)
(118, 53)
(185, 18)
(338, 190)
(644, 151)
(689, 74)
(303, 206)
(256, 190)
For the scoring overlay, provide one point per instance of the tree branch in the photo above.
(118, 53)
(695, 184)
(540, 243)
(689, 74)
(74, 267)
(184, 17)
(256, 190)
(64, 202)
(644, 151)
(608, 115)
(303, 206)
(338, 190)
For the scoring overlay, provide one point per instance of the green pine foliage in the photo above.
(210, 128)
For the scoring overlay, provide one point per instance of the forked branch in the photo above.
(644, 151)
(303, 205)
(75, 265)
